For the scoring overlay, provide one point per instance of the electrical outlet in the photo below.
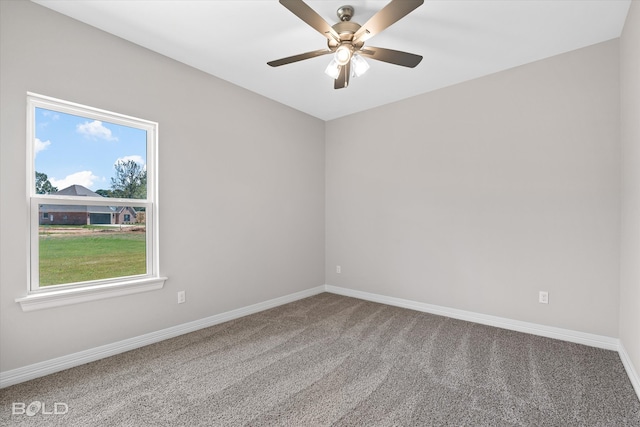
(543, 297)
(338, 269)
(181, 297)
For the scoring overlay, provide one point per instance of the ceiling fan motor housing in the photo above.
(346, 30)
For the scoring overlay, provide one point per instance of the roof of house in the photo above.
(79, 190)
(121, 209)
(76, 190)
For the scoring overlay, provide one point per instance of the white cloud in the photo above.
(53, 115)
(41, 145)
(95, 129)
(84, 178)
(136, 158)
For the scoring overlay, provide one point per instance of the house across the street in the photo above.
(84, 214)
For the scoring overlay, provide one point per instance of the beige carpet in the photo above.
(334, 360)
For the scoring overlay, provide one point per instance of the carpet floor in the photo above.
(331, 360)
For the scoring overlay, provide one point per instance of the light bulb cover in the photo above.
(333, 69)
(359, 65)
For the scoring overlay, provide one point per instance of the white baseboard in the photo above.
(47, 367)
(485, 319)
(631, 372)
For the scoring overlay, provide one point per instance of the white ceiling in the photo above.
(459, 40)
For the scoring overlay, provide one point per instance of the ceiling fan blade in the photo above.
(301, 57)
(343, 78)
(311, 17)
(391, 56)
(388, 15)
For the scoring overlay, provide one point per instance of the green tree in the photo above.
(104, 193)
(130, 181)
(43, 186)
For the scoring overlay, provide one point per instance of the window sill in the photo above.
(57, 298)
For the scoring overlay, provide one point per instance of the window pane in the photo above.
(81, 156)
(84, 243)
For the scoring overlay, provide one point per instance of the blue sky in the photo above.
(78, 150)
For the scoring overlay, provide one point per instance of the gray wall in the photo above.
(479, 195)
(630, 106)
(241, 185)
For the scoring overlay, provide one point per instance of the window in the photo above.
(86, 167)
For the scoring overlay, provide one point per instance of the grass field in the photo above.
(68, 256)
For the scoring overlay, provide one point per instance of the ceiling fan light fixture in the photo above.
(333, 69)
(359, 65)
(343, 54)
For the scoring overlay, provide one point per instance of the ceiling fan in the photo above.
(346, 39)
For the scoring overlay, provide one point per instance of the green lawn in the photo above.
(92, 256)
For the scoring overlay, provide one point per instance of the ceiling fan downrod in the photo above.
(345, 13)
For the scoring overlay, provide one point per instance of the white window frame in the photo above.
(56, 295)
